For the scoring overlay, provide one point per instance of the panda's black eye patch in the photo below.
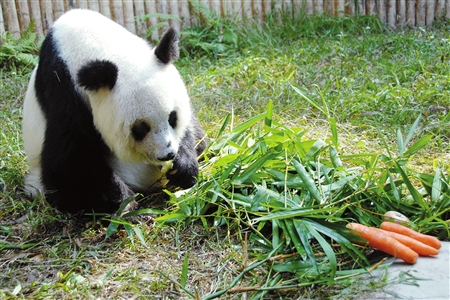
(173, 119)
(139, 130)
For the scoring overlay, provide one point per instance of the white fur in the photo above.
(145, 90)
(33, 128)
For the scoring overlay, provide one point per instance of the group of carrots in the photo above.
(398, 240)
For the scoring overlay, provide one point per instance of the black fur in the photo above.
(75, 169)
(184, 171)
(167, 49)
(98, 74)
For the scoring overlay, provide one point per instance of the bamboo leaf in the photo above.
(112, 228)
(417, 197)
(269, 116)
(308, 181)
(420, 144)
(253, 168)
(437, 186)
(412, 130)
(140, 235)
(304, 234)
(334, 133)
(184, 270)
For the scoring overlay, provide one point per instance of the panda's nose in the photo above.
(169, 156)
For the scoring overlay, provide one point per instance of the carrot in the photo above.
(380, 240)
(415, 245)
(426, 239)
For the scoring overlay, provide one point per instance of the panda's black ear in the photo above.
(167, 49)
(98, 74)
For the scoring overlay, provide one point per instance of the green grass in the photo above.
(313, 123)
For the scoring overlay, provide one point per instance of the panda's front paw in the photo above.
(183, 174)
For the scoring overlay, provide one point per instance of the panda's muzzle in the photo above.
(168, 157)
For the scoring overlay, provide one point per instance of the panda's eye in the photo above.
(139, 130)
(173, 119)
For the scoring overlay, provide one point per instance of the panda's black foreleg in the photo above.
(184, 171)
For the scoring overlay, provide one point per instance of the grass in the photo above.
(314, 123)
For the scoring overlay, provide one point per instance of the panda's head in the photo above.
(139, 102)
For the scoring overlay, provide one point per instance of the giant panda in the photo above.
(106, 115)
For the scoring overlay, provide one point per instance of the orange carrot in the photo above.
(426, 239)
(378, 239)
(415, 245)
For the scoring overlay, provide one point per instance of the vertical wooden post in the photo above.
(128, 16)
(105, 8)
(35, 10)
(440, 9)
(361, 7)
(24, 14)
(401, 13)
(371, 7)
(381, 10)
(47, 13)
(258, 11)
(318, 6)
(410, 13)
(139, 11)
(340, 8)
(391, 10)
(150, 9)
(184, 14)
(430, 7)
(92, 5)
(421, 12)
(12, 21)
(117, 12)
(447, 9)
(2, 25)
(58, 9)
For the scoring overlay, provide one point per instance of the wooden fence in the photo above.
(15, 15)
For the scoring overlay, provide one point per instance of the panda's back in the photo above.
(83, 35)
